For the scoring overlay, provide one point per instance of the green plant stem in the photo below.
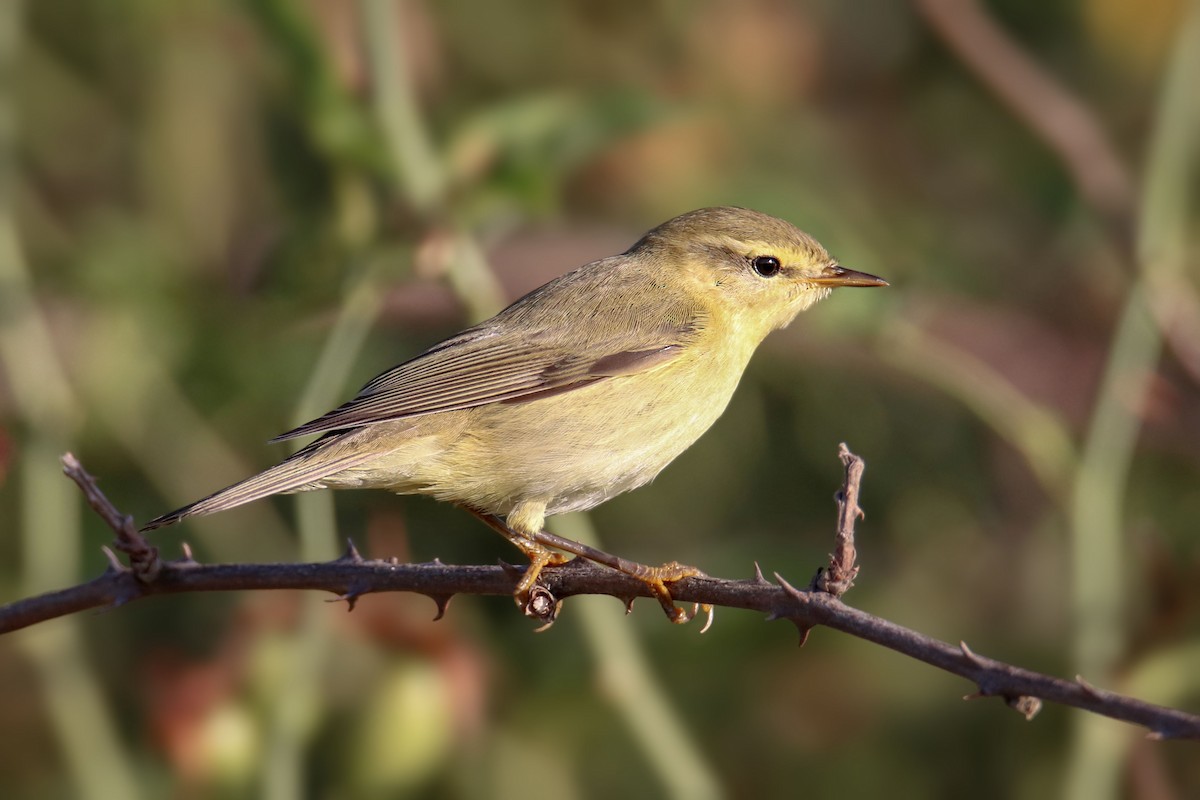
(413, 154)
(422, 176)
(297, 708)
(1100, 582)
(637, 697)
(640, 701)
(96, 761)
(1035, 432)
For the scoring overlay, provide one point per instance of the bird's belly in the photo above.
(575, 450)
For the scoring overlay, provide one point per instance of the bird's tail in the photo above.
(303, 470)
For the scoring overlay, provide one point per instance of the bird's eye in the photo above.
(767, 266)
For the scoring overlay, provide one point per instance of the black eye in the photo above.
(767, 266)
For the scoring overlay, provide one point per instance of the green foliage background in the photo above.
(219, 218)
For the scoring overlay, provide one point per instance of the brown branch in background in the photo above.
(1047, 108)
(1069, 129)
(351, 576)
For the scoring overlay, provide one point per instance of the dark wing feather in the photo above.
(482, 366)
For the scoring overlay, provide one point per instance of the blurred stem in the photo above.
(1100, 581)
(96, 761)
(638, 698)
(297, 705)
(423, 178)
(413, 154)
(357, 315)
(473, 281)
(127, 386)
(1100, 586)
(1167, 678)
(1032, 430)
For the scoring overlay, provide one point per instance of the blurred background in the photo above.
(218, 219)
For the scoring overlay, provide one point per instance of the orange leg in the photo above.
(537, 550)
(656, 578)
(538, 554)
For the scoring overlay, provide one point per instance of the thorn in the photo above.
(352, 555)
(350, 597)
(187, 553)
(969, 654)
(628, 601)
(787, 587)
(1156, 736)
(804, 631)
(711, 615)
(394, 561)
(114, 563)
(758, 574)
(1087, 687)
(974, 696)
(511, 569)
(437, 562)
(443, 602)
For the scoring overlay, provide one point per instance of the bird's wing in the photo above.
(492, 364)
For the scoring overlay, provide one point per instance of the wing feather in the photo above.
(499, 361)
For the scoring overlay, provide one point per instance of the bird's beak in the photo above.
(836, 275)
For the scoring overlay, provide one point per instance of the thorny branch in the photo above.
(352, 576)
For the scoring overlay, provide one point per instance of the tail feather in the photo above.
(301, 469)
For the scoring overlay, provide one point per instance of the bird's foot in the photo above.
(656, 578)
(540, 605)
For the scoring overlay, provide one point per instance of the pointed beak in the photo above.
(840, 276)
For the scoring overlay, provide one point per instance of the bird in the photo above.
(584, 388)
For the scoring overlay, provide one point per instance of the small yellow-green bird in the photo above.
(582, 389)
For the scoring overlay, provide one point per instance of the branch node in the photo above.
(114, 563)
(1025, 705)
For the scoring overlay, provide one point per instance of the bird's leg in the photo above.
(656, 578)
(538, 554)
(537, 549)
